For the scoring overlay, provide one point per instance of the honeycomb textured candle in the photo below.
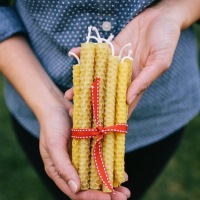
(121, 117)
(87, 73)
(130, 66)
(101, 59)
(76, 114)
(109, 117)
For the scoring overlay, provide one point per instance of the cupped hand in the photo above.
(154, 35)
(55, 149)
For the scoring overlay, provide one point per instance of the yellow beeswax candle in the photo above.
(123, 82)
(87, 73)
(98, 60)
(76, 114)
(101, 59)
(109, 117)
(130, 66)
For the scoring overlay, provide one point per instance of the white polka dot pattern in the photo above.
(55, 26)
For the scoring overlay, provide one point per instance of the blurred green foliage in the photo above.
(181, 178)
(179, 181)
(18, 180)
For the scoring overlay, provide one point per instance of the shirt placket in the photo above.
(106, 17)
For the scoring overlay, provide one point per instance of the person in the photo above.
(163, 97)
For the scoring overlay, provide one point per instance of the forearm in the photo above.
(186, 12)
(19, 65)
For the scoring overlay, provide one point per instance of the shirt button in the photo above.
(106, 26)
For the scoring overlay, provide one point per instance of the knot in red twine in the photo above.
(99, 131)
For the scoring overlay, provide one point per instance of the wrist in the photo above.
(52, 99)
(26, 74)
(182, 12)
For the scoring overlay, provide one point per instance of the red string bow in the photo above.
(99, 131)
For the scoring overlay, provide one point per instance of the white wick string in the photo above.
(97, 33)
(128, 57)
(125, 46)
(89, 33)
(111, 45)
(75, 56)
(110, 38)
(93, 37)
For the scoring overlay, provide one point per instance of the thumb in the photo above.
(64, 167)
(69, 94)
(146, 77)
(58, 166)
(76, 50)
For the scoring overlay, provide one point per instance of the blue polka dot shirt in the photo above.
(53, 27)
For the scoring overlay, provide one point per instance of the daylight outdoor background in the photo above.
(179, 181)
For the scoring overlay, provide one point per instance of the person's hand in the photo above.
(55, 149)
(154, 35)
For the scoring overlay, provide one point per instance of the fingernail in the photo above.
(72, 185)
(132, 99)
(71, 111)
(126, 177)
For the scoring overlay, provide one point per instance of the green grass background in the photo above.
(179, 181)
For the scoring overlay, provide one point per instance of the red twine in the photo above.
(99, 131)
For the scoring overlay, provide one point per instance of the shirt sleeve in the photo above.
(10, 22)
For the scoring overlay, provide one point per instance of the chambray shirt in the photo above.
(53, 27)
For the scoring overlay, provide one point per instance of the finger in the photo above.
(124, 190)
(63, 165)
(52, 173)
(117, 46)
(126, 176)
(134, 104)
(118, 195)
(146, 77)
(92, 195)
(76, 50)
(71, 111)
(68, 105)
(69, 94)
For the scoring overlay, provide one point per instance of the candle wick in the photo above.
(111, 45)
(75, 56)
(130, 52)
(93, 37)
(110, 38)
(123, 48)
(89, 34)
(97, 33)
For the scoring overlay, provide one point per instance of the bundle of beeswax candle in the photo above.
(100, 114)
(101, 58)
(76, 114)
